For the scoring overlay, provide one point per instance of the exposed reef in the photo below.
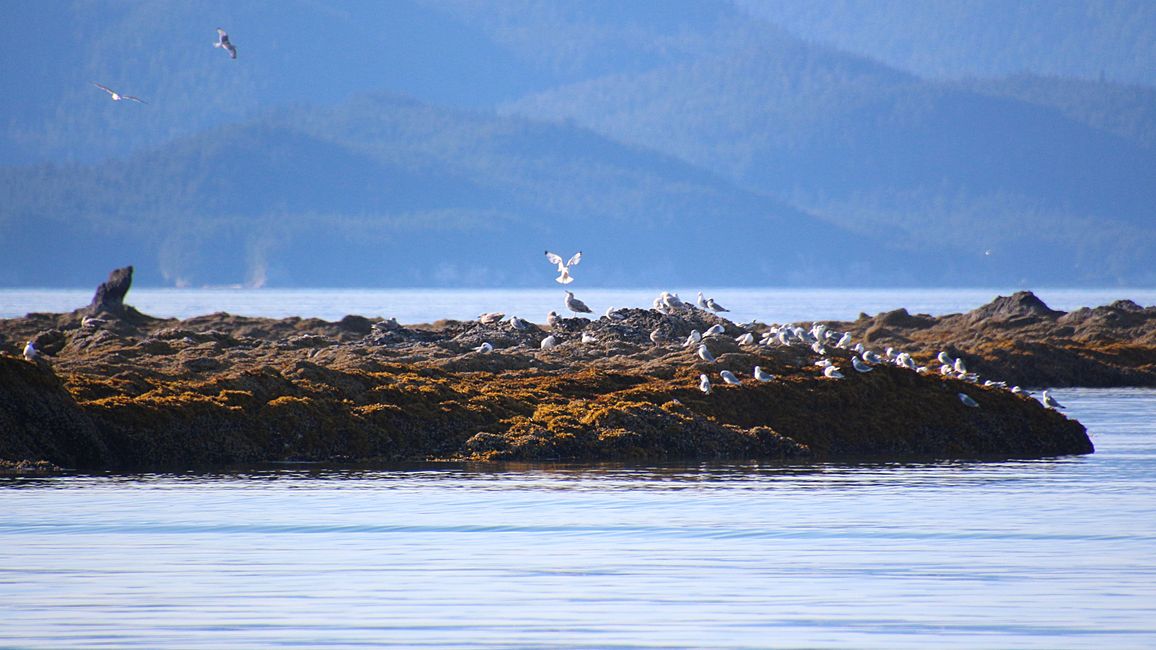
(124, 390)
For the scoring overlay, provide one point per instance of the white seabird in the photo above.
(575, 305)
(116, 97)
(549, 342)
(1051, 402)
(92, 321)
(484, 348)
(844, 340)
(701, 302)
(945, 358)
(714, 306)
(31, 353)
(832, 372)
(817, 348)
(223, 43)
(858, 365)
(729, 377)
(745, 339)
(871, 357)
(490, 317)
(552, 318)
(704, 383)
(968, 401)
(763, 375)
(704, 353)
(518, 323)
(613, 313)
(672, 301)
(960, 366)
(587, 337)
(564, 267)
(695, 336)
(656, 336)
(714, 330)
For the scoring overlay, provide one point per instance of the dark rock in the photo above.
(109, 297)
(50, 342)
(1018, 305)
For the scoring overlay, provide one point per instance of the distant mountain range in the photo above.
(418, 143)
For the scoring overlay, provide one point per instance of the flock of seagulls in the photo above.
(819, 338)
(223, 42)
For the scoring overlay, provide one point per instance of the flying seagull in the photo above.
(116, 97)
(564, 267)
(575, 305)
(223, 43)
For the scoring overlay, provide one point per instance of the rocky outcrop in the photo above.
(1019, 339)
(221, 389)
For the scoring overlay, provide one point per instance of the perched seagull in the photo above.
(824, 363)
(614, 314)
(859, 365)
(729, 377)
(871, 357)
(491, 317)
(116, 97)
(564, 267)
(714, 306)
(223, 43)
(31, 353)
(575, 305)
(701, 302)
(1049, 401)
(672, 301)
(587, 337)
(960, 366)
(844, 341)
(518, 323)
(714, 330)
(745, 339)
(968, 401)
(817, 348)
(92, 321)
(945, 358)
(763, 375)
(656, 336)
(484, 348)
(549, 342)
(704, 353)
(695, 336)
(704, 383)
(832, 372)
(552, 318)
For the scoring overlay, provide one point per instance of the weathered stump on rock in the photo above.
(109, 297)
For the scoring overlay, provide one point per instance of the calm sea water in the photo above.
(1057, 553)
(428, 305)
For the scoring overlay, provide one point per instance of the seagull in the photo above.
(223, 43)
(116, 97)
(763, 375)
(704, 353)
(92, 321)
(31, 353)
(844, 341)
(549, 342)
(491, 317)
(832, 372)
(575, 305)
(714, 306)
(960, 366)
(729, 377)
(745, 339)
(672, 301)
(714, 330)
(871, 357)
(518, 323)
(701, 302)
(564, 267)
(552, 318)
(704, 383)
(1049, 401)
(945, 358)
(859, 365)
(695, 336)
(968, 401)
(818, 348)
(484, 348)
(656, 336)
(587, 337)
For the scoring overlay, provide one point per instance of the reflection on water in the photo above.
(1045, 553)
